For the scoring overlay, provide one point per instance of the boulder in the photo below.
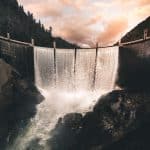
(116, 116)
(18, 100)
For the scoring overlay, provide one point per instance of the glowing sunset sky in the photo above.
(88, 21)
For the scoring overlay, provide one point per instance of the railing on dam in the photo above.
(19, 55)
(134, 62)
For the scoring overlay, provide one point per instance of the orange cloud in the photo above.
(75, 3)
(66, 2)
(113, 31)
(82, 33)
(77, 29)
(141, 13)
(85, 21)
(93, 20)
(44, 10)
(144, 2)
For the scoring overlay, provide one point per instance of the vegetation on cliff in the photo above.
(23, 26)
(137, 32)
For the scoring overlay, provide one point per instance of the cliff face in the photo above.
(22, 26)
(5, 74)
(134, 62)
(134, 59)
(113, 124)
(18, 100)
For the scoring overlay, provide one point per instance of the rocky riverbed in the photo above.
(119, 121)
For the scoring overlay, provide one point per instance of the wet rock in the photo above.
(118, 115)
(134, 70)
(34, 145)
(18, 100)
(67, 131)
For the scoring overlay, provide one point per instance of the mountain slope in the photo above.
(22, 26)
(138, 31)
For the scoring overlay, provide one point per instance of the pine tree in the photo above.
(23, 26)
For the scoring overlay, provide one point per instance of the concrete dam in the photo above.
(71, 80)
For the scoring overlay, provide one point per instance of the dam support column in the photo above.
(55, 73)
(75, 59)
(95, 66)
(145, 34)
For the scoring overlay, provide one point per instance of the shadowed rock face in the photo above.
(136, 140)
(116, 116)
(134, 70)
(18, 100)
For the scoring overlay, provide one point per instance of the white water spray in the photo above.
(68, 87)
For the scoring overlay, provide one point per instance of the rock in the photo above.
(66, 131)
(5, 73)
(34, 145)
(134, 70)
(117, 115)
(18, 100)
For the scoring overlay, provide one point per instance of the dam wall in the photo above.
(18, 54)
(134, 65)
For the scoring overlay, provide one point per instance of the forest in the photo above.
(23, 26)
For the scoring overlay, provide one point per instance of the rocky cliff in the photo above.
(18, 100)
(23, 26)
(118, 122)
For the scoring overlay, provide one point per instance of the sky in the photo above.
(87, 22)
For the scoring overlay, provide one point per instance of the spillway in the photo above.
(71, 81)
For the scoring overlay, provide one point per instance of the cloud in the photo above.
(93, 20)
(26, 2)
(74, 3)
(85, 21)
(144, 12)
(113, 31)
(42, 9)
(77, 29)
(45, 10)
(144, 2)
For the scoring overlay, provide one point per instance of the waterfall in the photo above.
(70, 82)
(106, 70)
(75, 70)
